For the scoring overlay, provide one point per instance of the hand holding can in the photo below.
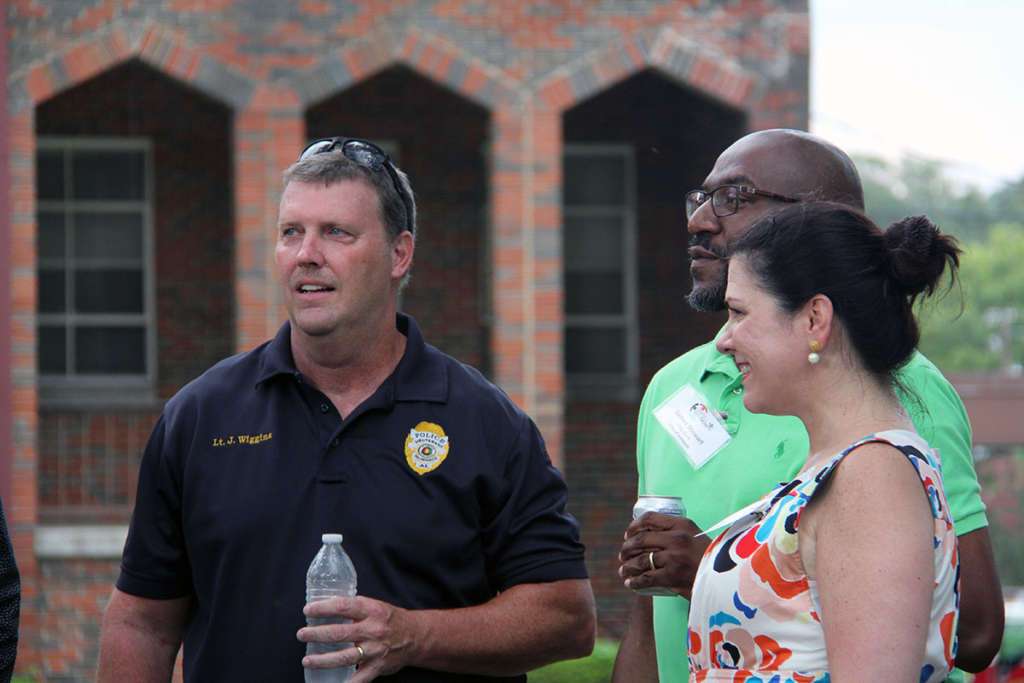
(665, 505)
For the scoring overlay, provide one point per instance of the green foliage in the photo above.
(917, 185)
(1008, 202)
(597, 668)
(980, 326)
(1013, 643)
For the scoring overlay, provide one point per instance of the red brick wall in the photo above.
(676, 134)
(73, 595)
(600, 440)
(6, 453)
(88, 459)
(89, 463)
(191, 137)
(442, 150)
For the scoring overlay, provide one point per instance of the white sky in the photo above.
(939, 78)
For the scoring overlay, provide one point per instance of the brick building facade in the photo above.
(549, 143)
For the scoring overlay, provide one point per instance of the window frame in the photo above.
(617, 385)
(103, 389)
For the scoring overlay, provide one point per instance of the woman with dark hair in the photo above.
(849, 571)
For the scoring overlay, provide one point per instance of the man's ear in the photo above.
(402, 249)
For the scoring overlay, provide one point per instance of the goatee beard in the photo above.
(707, 299)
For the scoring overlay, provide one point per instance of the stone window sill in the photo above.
(80, 542)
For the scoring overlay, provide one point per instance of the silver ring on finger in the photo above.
(650, 558)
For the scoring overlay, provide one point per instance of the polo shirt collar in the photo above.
(276, 358)
(421, 374)
(715, 361)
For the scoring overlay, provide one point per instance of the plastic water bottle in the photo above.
(330, 575)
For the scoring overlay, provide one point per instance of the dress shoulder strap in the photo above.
(912, 446)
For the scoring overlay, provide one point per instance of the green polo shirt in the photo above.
(765, 450)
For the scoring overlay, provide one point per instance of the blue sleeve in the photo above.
(155, 562)
(531, 538)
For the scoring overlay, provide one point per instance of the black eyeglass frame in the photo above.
(740, 189)
(377, 160)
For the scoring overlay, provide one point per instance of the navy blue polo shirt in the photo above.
(441, 486)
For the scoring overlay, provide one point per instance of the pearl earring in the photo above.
(813, 358)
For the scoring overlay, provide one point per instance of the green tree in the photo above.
(919, 185)
(885, 193)
(1008, 202)
(980, 325)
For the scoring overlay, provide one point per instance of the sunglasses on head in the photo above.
(367, 155)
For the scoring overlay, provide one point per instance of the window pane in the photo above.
(51, 291)
(51, 235)
(104, 174)
(593, 293)
(50, 174)
(52, 350)
(595, 180)
(108, 291)
(110, 350)
(593, 243)
(595, 350)
(108, 235)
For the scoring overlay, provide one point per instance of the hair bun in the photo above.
(919, 254)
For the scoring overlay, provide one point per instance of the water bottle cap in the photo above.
(331, 538)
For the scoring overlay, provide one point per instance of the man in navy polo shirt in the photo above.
(469, 567)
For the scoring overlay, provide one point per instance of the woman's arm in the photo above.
(867, 540)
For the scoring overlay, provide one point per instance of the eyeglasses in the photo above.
(367, 155)
(725, 199)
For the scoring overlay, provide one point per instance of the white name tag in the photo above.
(695, 427)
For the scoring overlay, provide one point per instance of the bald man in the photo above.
(758, 175)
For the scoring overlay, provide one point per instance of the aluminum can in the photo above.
(666, 505)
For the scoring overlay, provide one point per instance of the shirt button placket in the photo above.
(728, 400)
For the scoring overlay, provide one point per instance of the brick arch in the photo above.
(425, 53)
(160, 47)
(679, 58)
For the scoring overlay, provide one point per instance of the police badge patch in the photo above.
(426, 447)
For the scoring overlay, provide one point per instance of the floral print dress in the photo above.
(755, 616)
